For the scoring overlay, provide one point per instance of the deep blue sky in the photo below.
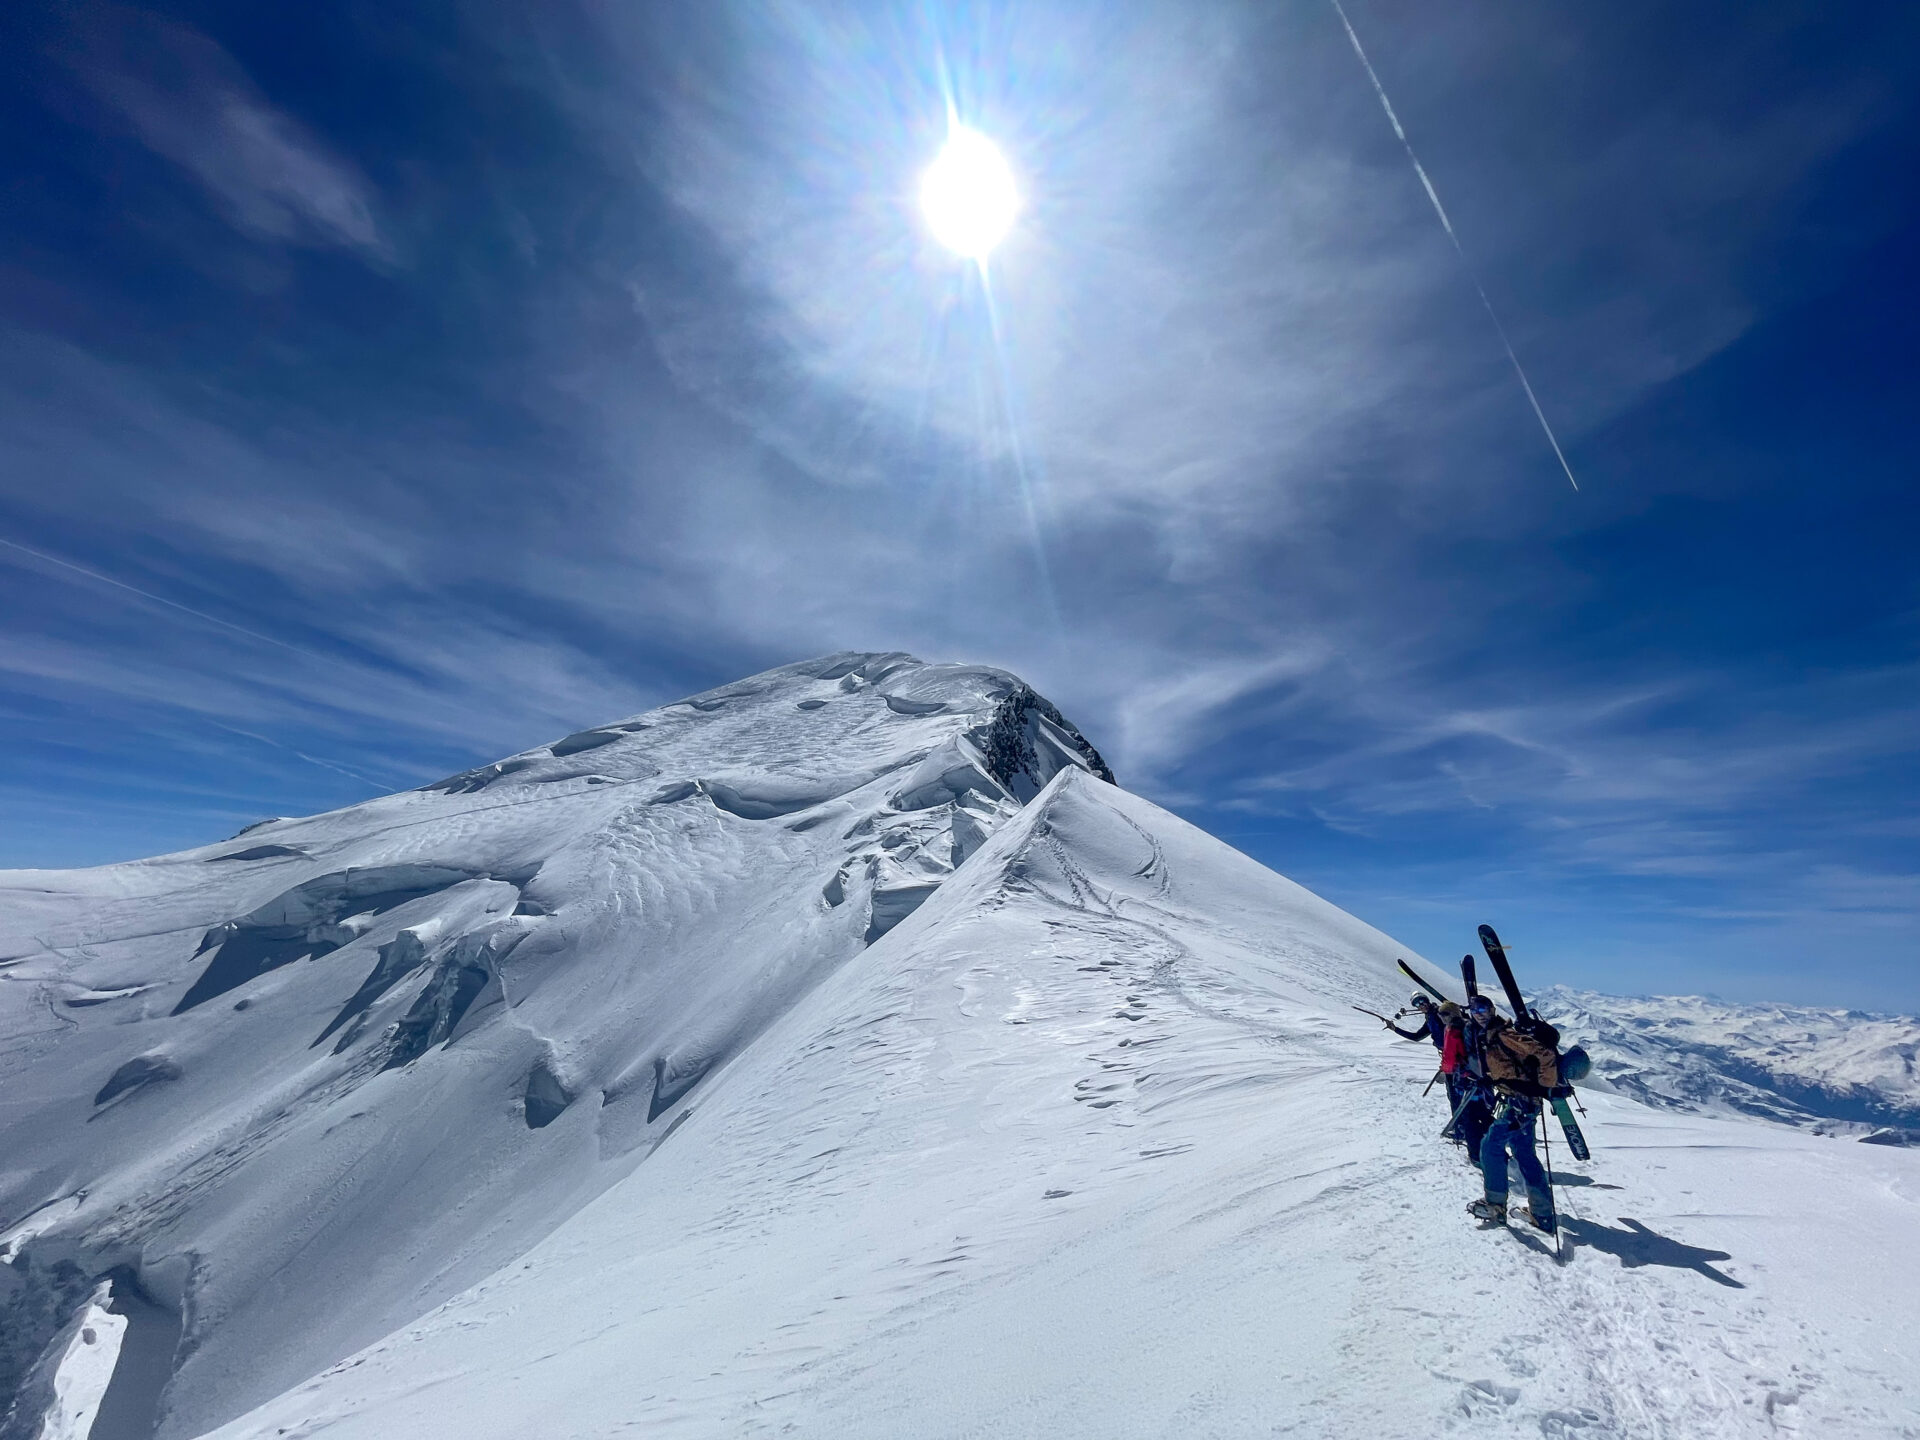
(501, 369)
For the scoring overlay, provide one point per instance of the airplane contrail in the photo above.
(1447, 225)
(200, 615)
(291, 750)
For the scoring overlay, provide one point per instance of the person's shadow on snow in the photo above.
(1637, 1245)
(1566, 1180)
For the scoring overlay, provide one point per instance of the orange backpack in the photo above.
(1516, 1055)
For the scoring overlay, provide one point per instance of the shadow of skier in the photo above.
(1638, 1246)
(1566, 1179)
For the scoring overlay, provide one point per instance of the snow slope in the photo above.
(300, 1087)
(1786, 1063)
(1091, 1147)
(1089, 1143)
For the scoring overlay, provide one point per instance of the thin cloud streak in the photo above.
(1447, 225)
(148, 595)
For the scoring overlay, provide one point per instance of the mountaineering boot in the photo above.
(1487, 1211)
(1542, 1222)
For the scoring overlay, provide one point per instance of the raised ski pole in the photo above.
(1375, 1014)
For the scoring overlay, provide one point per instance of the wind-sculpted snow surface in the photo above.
(1091, 1146)
(1787, 1063)
(958, 1117)
(298, 1088)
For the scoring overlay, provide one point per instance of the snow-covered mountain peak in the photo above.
(839, 1053)
(200, 1045)
(826, 725)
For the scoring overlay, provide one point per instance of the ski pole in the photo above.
(1436, 1075)
(1375, 1014)
(1546, 1144)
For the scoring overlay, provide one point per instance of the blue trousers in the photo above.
(1512, 1132)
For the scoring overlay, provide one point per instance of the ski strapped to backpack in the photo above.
(1468, 978)
(1497, 953)
(1415, 977)
(1563, 1112)
(1570, 1127)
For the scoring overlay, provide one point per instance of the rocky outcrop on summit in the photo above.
(1021, 723)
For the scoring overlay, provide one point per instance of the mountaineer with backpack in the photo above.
(1472, 1095)
(1520, 1062)
(1432, 1027)
(1446, 1026)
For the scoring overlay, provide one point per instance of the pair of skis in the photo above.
(1497, 953)
(1563, 1112)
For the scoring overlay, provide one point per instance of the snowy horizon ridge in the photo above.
(1842, 1071)
(840, 1051)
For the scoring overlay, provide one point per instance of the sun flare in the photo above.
(968, 194)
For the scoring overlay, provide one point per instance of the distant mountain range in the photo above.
(1834, 1071)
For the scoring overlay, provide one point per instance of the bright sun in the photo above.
(968, 194)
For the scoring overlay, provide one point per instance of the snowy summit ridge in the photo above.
(204, 1044)
(839, 1053)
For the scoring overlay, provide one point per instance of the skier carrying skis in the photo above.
(1522, 1066)
(1445, 1025)
(1432, 1027)
(1472, 1093)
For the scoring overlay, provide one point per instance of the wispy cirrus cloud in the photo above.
(685, 391)
(188, 100)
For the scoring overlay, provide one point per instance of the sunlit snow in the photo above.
(839, 1053)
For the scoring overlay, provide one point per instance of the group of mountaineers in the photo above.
(1499, 1074)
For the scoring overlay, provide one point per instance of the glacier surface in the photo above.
(842, 1052)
